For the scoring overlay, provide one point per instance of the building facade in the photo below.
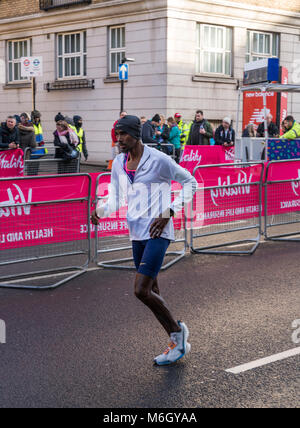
(189, 55)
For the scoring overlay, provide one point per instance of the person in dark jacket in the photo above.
(150, 132)
(9, 134)
(27, 135)
(201, 131)
(225, 134)
(273, 131)
(65, 141)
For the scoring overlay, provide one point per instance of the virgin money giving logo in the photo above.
(15, 196)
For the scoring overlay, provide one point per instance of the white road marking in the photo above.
(264, 361)
(49, 275)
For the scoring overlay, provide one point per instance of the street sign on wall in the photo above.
(123, 71)
(31, 66)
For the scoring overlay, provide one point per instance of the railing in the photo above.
(51, 4)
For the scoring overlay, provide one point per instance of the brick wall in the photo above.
(11, 8)
(291, 5)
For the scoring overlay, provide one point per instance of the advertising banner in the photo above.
(224, 205)
(29, 225)
(11, 163)
(193, 156)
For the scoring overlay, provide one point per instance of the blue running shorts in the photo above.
(149, 255)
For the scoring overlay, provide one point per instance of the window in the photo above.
(116, 48)
(51, 4)
(16, 49)
(261, 45)
(71, 55)
(214, 49)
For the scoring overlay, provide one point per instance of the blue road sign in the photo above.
(123, 72)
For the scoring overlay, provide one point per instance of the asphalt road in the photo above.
(90, 343)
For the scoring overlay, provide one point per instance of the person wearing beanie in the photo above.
(150, 130)
(225, 134)
(59, 117)
(38, 130)
(27, 134)
(77, 128)
(114, 142)
(142, 177)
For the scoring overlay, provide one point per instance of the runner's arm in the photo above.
(188, 182)
(116, 198)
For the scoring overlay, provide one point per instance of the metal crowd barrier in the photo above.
(120, 243)
(48, 164)
(283, 226)
(63, 253)
(220, 228)
(164, 145)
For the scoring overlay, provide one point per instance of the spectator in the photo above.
(143, 119)
(36, 121)
(225, 134)
(273, 131)
(59, 117)
(174, 137)
(150, 132)
(9, 134)
(201, 131)
(249, 131)
(27, 135)
(292, 127)
(184, 129)
(114, 141)
(66, 141)
(81, 136)
(164, 136)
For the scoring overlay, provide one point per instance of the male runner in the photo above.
(143, 176)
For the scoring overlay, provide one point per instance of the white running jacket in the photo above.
(150, 193)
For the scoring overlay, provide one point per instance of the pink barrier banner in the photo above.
(193, 156)
(224, 205)
(30, 225)
(11, 163)
(108, 226)
(283, 197)
(117, 225)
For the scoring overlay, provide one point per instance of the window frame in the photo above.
(201, 50)
(17, 60)
(250, 54)
(116, 50)
(82, 54)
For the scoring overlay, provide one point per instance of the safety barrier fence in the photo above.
(112, 237)
(48, 164)
(41, 219)
(228, 200)
(282, 200)
(167, 148)
(46, 218)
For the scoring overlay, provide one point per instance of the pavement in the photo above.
(90, 342)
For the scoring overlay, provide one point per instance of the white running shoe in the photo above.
(177, 349)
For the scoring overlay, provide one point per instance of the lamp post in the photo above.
(124, 61)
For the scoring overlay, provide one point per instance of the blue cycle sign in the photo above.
(31, 66)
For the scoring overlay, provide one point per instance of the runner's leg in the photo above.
(146, 285)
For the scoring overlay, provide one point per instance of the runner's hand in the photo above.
(94, 218)
(157, 227)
